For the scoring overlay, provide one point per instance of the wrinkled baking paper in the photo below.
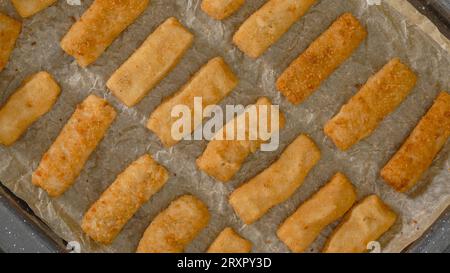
(396, 30)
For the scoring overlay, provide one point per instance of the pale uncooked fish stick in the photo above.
(27, 8)
(221, 9)
(229, 241)
(325, 207)
(99, 26)
(416, 155)
(63, 162)
(9, 32)
(321, 59)
(212, 83)
(175, 227)
(365, 223)
(132, 188)
(379, 97)
(34, 98)
(277, 183)
(266, 26)
(156, 57)
(222, 159)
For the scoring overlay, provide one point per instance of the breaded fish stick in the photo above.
(27, 8)
(222, 159)
(221, 9)
(34, 98)
(323, 208)
(9, 32)
(132, 189)
(229, 241)
(65, 159)
(321, 59)
(277, 183)
(212, 83)
(418, 152)
(365, 223)
(99, 26)
(175, 227)
(156, 57)
(379, 97)
(266, 26)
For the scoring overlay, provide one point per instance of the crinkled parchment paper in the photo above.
(392, 34)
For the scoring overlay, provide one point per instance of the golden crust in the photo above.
(221, 9)
(325, 207)
(27, 8)
(9, 32)
(213, 82)
(156, 57)
(175, 227)
(229, 241)
(379, 97)
(99, 26)
(416, 155)
(321, 59)
(277, 183)
(222, 159)
(266, 26)
(36, 96)
(366, 222)
(134, 187)
(63, 162)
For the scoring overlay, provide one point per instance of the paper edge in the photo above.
(407, 10)
(423, 22)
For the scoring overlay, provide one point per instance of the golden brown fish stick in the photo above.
(9, 32)
(321, 59)
(132, 189)
(277, 183)
(379, 97)
(65, 159)
(323, 208)
(229, 241)
(175, 227)
(27, 8)
(99, 26)
(365, 223)
(156, 57)
(221, 9)
(222, 159)
(266, 26)
(212, 83)
(418, 152)
(34, 98)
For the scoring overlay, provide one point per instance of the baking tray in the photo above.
(22, 232)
